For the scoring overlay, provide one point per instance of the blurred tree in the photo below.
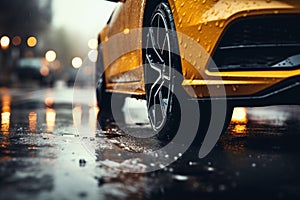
(24, 19)
(19, 17)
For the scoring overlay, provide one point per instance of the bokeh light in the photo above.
(76, 62)
(49, 101)
(126, 31)
(50, 56)
(93, 55)
(93, 44)
(16, 40)
(44, 71)
(239, 116)
(5, 41)
(32, 41)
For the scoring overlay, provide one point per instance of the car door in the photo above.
(121, 45)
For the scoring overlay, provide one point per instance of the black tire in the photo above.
(103, 97)
(167, 127)
(165, 115)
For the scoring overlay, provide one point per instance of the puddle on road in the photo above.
(47, 144)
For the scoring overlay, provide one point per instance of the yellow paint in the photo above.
(200, 22)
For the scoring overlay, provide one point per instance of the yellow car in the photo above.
(246, 53)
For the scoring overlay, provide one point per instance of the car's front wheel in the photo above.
(161, 65)
(163, 76)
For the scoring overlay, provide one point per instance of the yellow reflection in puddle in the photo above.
(239, 115)
(5, 143)
(5, 115)
(32, 118)
(239, 120)
(50, 119)
(5, 125)
(240, 128)
(5, 121)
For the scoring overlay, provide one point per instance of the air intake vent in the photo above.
(255, 43)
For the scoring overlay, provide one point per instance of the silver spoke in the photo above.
(158, 55)
(153, 114)
(155, 105)
(167, 77)
(163, 105)
(164, 43)
(154, 46)
(151, 36)
(152, 65)
(159, 95)
(152, 91)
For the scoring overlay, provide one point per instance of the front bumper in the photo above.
(283, 93)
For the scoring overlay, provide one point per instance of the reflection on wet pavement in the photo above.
(50, 119)
(53, 150)
(5, 114)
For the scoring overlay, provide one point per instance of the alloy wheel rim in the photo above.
(159, 70)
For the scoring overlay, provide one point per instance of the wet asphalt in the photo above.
(51, 147)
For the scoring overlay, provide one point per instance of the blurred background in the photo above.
(45, 41)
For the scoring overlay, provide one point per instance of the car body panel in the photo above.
(204, 22)
(124, 74)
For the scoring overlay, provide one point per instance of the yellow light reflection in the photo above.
(77, 62)
(32, 118)
(5, 125)
(5, 121)
(240, 128)
(50, 118)
(6, 100)
(32, 41)
(4, 42)
(239, 116)
(5, 143)
(50, 56)
(239, 120)
(77, 115)
(49, 101)
(93, 44)
(5, 115)
(126, 31)
(93, 113)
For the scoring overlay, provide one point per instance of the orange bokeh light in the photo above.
(239, 116)
(16, 40)
(4, 42)
(32, 41)
(49, 101)
(44, 71)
